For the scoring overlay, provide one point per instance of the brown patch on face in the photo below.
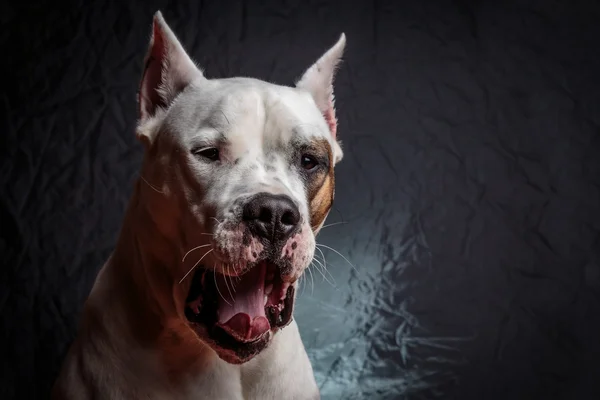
(321, 186)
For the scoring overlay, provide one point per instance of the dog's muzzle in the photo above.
(238, 310)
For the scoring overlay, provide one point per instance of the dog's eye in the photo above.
(308, 162)
(211, 153)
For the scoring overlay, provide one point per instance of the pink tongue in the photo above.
(242, 312)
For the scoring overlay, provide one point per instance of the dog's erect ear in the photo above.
(167, 70)
(318, 81)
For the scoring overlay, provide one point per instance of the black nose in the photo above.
(273, 217)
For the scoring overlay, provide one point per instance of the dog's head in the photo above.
(238, 175)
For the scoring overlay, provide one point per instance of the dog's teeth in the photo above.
(265, 301)
(194, 308)
(284, 291)
(268, 289)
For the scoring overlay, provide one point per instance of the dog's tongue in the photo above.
(241, 310)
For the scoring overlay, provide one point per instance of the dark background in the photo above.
(468, 200)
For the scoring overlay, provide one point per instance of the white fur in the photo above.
(179, 198)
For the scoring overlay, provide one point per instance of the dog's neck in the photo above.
(142, 257)
(140, 285)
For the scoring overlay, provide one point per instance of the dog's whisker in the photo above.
(321, 261)
(324, 265)
(323, 270)
(301, 283)
(333, 224)
(324, 259)
(218, 222)
(319, 265)
(218, 290)
(195, 265)
(227, 284)
(339, 254)
(231, 281)
(225, 116)
(152, 186)
(232, 288)
(195, 248)
(312, 289)
(208, 234)
(333, 284)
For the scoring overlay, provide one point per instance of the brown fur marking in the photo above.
(321, 187)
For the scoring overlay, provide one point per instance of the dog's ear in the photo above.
(318, 81)
(167, 70)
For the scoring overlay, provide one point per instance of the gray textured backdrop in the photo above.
(468, 200)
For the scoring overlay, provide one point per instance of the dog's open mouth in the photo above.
(238, 314)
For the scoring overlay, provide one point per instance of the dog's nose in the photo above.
(272, 217)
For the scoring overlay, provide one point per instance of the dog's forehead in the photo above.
(247, 112)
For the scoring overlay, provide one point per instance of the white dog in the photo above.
(196, 300)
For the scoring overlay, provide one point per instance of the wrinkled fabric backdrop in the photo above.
(467, 213)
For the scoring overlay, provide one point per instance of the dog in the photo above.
(196, 300)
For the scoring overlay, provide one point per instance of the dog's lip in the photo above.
(227, 348)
